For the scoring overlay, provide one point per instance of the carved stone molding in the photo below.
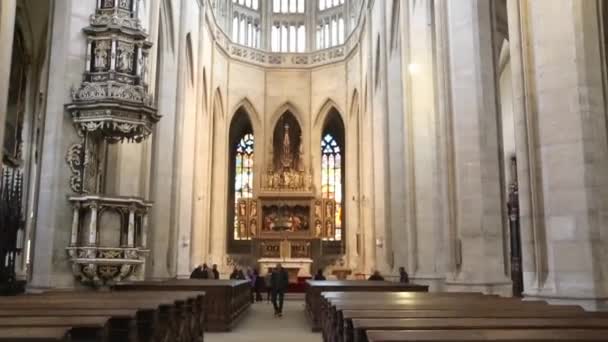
(95, 218)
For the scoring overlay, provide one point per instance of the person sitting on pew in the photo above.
(403, 276)
(319, 275)
(376, 276)
(216, 273)
(201, 272)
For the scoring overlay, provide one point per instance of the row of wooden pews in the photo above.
(314, 289)
(147, 311)
(88, 316)
(364, 316)
(226, 301)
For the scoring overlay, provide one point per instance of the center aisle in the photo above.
(260, 325)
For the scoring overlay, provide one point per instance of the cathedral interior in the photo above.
(466, 141)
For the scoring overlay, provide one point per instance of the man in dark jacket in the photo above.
(279, 280)
(201, 272)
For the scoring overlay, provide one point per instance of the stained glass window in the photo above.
(243, 176)
(331, 178)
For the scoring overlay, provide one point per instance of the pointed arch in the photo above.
(333, 172)
(286, 107)
(287, 125)
(241, 142)
(247, 106)
(325, 109)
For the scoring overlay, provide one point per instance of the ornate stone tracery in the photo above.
(112, 104)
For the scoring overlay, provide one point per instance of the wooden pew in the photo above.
(346, 330)
(82, 329)
(226, 301)
(160, 315)
(361, 326)
(123, 322)
(333, 320)
(315, 288)
(35, 334)
(523, 335)
(187, 318)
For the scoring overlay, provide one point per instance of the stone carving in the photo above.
(100, 265)
(295, 60)
(75, 159)
(126, 53)
(112, 104)
(102, 54)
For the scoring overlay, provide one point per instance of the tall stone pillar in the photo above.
(7, 31)
(479, 221)
(426, 207)
(529, 189)
(50, 267)
(568, 132)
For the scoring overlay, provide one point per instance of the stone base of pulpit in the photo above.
(296, 267)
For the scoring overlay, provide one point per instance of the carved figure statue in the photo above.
(286, 157)
(254, 209)
(329, 229)
(318, 228)
(101, 56)
(253, 226)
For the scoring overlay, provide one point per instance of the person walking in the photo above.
(279, 280)
(257, 285)
(253, 278)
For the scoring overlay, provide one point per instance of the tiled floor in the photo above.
(260, 325)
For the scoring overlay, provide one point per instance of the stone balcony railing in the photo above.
(269, 59)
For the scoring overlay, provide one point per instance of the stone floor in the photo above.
(260, 325)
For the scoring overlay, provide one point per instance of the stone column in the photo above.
(7, 31)
(162, 237)
(50, 267)
(528, 181)
(479, 223)
(425, 213)
(568, 125)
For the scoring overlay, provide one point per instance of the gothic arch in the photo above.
(241, 163)
(286, 107)
(246, 105)
(325, 110)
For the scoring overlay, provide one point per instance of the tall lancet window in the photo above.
(243, 178)
(332, 170)
(241, 174)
